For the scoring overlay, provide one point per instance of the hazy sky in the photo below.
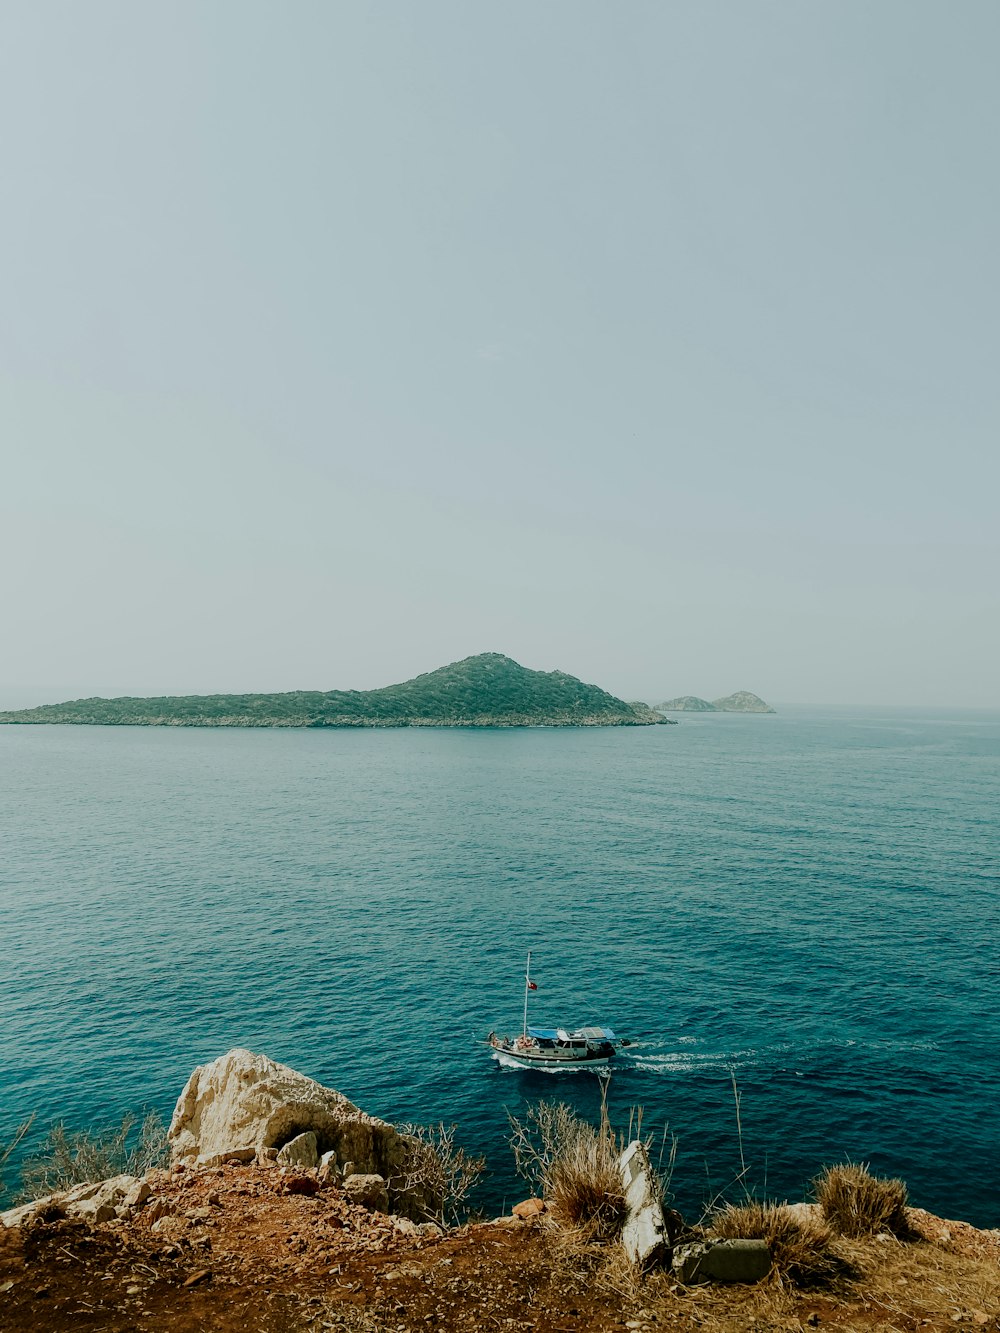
(656, 342)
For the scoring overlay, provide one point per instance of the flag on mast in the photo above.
(532, 985)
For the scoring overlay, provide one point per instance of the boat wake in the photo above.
(688, 1061)
(652, 1058)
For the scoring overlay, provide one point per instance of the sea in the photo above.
(793, 918)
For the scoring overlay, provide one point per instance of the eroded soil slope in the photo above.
(258, 1250)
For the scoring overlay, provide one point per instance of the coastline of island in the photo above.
(486, 690)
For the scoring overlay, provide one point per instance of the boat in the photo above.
(553, 1048)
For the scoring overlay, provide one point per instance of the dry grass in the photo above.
(856, 1203)
(906, 1285)
(800, 1248)
(575, 1166)
(884, 1287)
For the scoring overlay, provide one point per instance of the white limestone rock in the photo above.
(137, 1195)
(244, 1104)
(24, 1212)
(100, 1203)
(644, 1234)
(94, 1201)
(328, 1170)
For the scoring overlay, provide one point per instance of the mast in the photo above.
(527, 978)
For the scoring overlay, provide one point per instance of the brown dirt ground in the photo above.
(258, 1250)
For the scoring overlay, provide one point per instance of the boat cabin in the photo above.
(557, 1039)
(561, 1042)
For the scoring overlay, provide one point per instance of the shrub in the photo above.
(856, 1203)
(575, 1167)
(438, 1171)
(800, 1248)
(66, 1159)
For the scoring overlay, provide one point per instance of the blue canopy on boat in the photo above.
(543, 1034)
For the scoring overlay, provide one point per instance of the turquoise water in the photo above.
(809, 900)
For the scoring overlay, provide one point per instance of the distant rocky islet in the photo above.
(740, 702)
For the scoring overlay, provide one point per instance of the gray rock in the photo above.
(100, 1202)
(300, 1151)
(160, 1207)
(369, 1191)
(644, 1235)
(137, 1195)
(722, 1261)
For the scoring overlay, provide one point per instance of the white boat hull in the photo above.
(513, 1060)
(518, 1055)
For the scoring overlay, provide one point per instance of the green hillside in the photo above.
(488, 690)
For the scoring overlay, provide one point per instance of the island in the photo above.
(488, 690)
(740, 702)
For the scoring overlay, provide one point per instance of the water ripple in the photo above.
(808, 900)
